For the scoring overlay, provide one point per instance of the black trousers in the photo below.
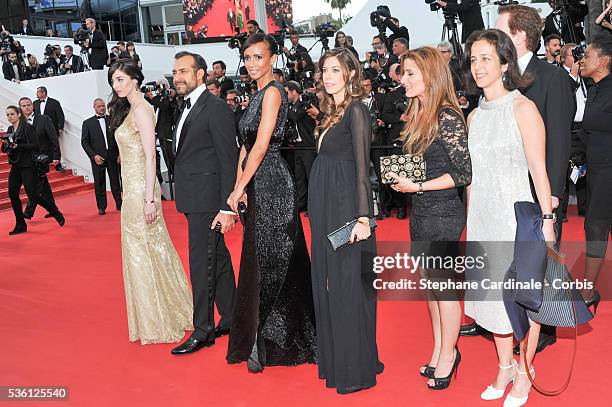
(303, 165)
(212, 276)
(99, 175)
(28, 177)
(42, 189)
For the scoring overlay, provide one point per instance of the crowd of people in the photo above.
(495, 126)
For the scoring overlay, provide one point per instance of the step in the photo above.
(4, 173)
(53, 178)
(5, 166)
(60, 192)
(55, 183)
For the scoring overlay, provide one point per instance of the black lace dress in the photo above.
(344, 297)
(440, 215)
(274, 306)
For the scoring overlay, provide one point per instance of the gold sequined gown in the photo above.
(158, 297)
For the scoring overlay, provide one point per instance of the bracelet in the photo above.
(150, 202)
(420, 191)
(363, 221)
(550, 216)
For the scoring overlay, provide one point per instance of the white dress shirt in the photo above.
(16, 70)
(580, 96)
(524, 61)
(43, 104)
(31, 119)
(102, 122)
(193, 98)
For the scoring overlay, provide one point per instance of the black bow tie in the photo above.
(187, 104)
(101, 117)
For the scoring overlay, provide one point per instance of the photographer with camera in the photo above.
(300, 134)
(34, 70)
(302, 69)
(12, 69)
(565, 20)
(469, 15)
(20, 144)
(393, 116)
(468, 101)
(8, 45)
(219, 69)
(70, 63)
(381, 18)
(296, 47)
(95, 45)
(379, 58)
(51, 64)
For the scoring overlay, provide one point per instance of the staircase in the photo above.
(62, 184)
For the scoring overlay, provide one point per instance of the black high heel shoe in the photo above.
(594, 301)
(428, 372)
(441, 383)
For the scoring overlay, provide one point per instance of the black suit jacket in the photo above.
(391, 116)
(28, 30)
(9, 73)
(206, 157)
(46, 136)
(305, 124)
(552, 92)
(99, 52)
(92, 140)
(53, 110)
(470, 16)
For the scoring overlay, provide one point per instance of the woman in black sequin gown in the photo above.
(339, 191)
(273, 322)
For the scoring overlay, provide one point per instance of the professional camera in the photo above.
(401, 105)
(383, 81)
(280, 35)
(241, 99)
(7, 140)
(308, 99)
(324, 31)
(578, 52)
(81, 35)
(244, 88)
(50, 51)
(307, 80)
(237, 40)
(505, 2)
(378, 17)
(161, 89)
(5, 42)
(433, 6)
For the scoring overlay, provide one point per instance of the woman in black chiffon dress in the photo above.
(339, 191)
(273, 322)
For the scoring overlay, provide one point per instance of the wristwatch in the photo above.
(420, 191)
(552, 216)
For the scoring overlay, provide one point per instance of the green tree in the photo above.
(338, 4)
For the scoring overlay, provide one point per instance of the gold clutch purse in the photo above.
(405, 165)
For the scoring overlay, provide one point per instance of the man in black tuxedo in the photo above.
(304, 154)
(96, 44)
(231, 19)
(206, 158)
(12, 69)
(25, 28)
(469, 15)
(219, 68)
(51, 108)
(48, 144)
(102, 150)
(552, 92)
(70, 63)
(296, 48)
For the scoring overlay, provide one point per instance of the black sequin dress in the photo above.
(274, 295)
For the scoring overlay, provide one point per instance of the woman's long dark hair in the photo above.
(337, 43)
(120, 107)
(506, 53)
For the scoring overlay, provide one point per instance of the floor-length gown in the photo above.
(274, 307)
(500, 177)
(158, 298)
(344, 296)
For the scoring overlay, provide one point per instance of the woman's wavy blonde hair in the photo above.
(353, 90)
(421, 128)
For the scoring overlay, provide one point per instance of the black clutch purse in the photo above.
(341, 236)
(405, 165)
(242, 212)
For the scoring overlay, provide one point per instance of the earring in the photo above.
(504, 77)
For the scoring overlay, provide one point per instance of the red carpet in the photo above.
(63, 322)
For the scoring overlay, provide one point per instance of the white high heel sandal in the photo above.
(491, 393)
(512, 401)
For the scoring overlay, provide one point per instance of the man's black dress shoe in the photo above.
(48, 215)
(221, 332)
(101, 212)
(472, 329)
(59, 218)
(192, 345)
(543, 341)
(18, 229)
